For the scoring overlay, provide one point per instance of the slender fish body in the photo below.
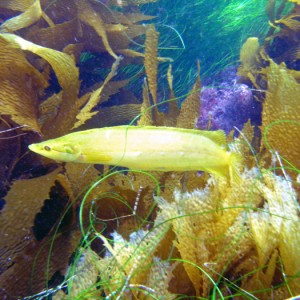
(146, 148)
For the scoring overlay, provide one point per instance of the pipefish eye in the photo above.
(47, 148)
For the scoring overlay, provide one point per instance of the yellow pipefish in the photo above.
(146, 148)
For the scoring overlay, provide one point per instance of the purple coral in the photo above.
(227, 104)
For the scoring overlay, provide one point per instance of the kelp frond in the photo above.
(132, 233)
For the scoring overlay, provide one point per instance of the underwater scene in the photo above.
(150, 149)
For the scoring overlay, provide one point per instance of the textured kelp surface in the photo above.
(73, 231)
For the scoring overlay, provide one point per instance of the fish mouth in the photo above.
(33, 147)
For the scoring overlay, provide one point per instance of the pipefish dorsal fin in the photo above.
(218, 136)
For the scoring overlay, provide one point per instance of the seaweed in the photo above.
(272, 70)
(41, 47)
(118, 233)
(209, 31)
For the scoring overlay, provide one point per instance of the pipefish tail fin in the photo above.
(235, 165)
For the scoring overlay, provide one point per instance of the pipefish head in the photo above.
(56, 149)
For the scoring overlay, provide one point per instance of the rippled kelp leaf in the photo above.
(31, 12)
(48, 110)
(225, 233)
(56, 37)
(151, 62)
(20, 5)
(207, 223)
(67, 76)
(89, 16)
(114, 115)
(243, 145)
(20, 85)
(135, 18)
(151, 68)
(190, 108)
(282, 104)
(110, 15)
(121, 36)
(248, 56)
(83, 277)
(290, 22)
(146, 110)
(131, 263)
(132, 53)
(86, 112)
(173, 109)
(277, 229)
(18, 214)
(26, 242)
